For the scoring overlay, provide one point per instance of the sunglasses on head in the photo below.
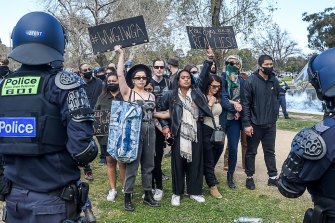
(139, 78)
(159, 67)
(86, 70)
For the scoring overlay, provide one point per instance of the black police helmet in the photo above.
(321, 73)
(38, 38)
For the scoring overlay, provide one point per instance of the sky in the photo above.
(288, 17)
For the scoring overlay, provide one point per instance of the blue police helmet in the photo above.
(321, 73)
(38, 38)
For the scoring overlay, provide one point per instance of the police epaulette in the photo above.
(324, 125)
(66, 80)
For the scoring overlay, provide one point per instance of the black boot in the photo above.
(128, 205)
(149, 199)
(230, 181)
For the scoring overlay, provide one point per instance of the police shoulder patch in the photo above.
(309, 144)
(66, 80)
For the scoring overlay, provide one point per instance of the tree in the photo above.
(295, 64)
(321, 30)
(275, 43)
(77, 15)
(243, 15)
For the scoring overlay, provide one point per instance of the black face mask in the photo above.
(88, 75)
(101, 77)
(3, 70)
(268, 70)
(112, 87)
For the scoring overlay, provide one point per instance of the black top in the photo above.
(260, 101)
(93, 89)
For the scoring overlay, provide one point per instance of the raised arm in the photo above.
(124, 89)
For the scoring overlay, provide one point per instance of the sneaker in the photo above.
(250, 184)
(215, 192)
(273, 182)
(102, 162)
(158, 195)
(89, 176)
(175, 200)
(198, 198)
(287, 117)
(111, 195)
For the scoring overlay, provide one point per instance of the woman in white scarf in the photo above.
(187, 107)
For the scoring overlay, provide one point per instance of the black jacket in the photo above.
(260, 101)
(171, 101)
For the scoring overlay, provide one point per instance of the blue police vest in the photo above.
(29, 124)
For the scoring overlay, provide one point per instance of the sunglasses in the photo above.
(140, 78)
(232, 63)
(85, 70)
(110, 67)
(159, 67)
(194, 72)
(215, 86)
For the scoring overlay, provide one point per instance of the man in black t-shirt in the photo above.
(160, 84)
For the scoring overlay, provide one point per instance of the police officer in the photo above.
(46, 126)
(311, 162)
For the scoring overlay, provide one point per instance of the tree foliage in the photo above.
(275, 43)
(321, 29)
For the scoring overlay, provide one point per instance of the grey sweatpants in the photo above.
(146, 153)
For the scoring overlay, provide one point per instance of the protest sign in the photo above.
(127, 32)
(101, 122)
(215, 37)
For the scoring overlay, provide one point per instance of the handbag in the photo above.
(218, 136)
(124, 131)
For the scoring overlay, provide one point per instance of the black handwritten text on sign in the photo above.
(101, 122)
(127, 32)
(215, 37)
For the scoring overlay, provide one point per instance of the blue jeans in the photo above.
(233, 130)
(282, 102)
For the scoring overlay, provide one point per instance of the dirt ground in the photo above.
(283, 146)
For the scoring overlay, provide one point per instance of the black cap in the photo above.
(173, 62)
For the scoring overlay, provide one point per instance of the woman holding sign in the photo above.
(132, 89)
(111, 92)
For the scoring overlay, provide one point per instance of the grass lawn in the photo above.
(264, 202)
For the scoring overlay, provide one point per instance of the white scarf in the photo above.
(188, 128)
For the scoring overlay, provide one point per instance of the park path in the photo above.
(283, 147)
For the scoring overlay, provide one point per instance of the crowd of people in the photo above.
(182, 109)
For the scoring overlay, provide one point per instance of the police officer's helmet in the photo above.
(321, 73)
(38, 38)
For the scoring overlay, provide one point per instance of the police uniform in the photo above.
(311, 162)
(46, 127)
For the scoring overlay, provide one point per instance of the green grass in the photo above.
(264, 202)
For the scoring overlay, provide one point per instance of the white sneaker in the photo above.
(158, 195)
(175, 200)
(111, 195)
(198, 198)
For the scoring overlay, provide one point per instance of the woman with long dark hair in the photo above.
(111, 92)
(187, 106)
